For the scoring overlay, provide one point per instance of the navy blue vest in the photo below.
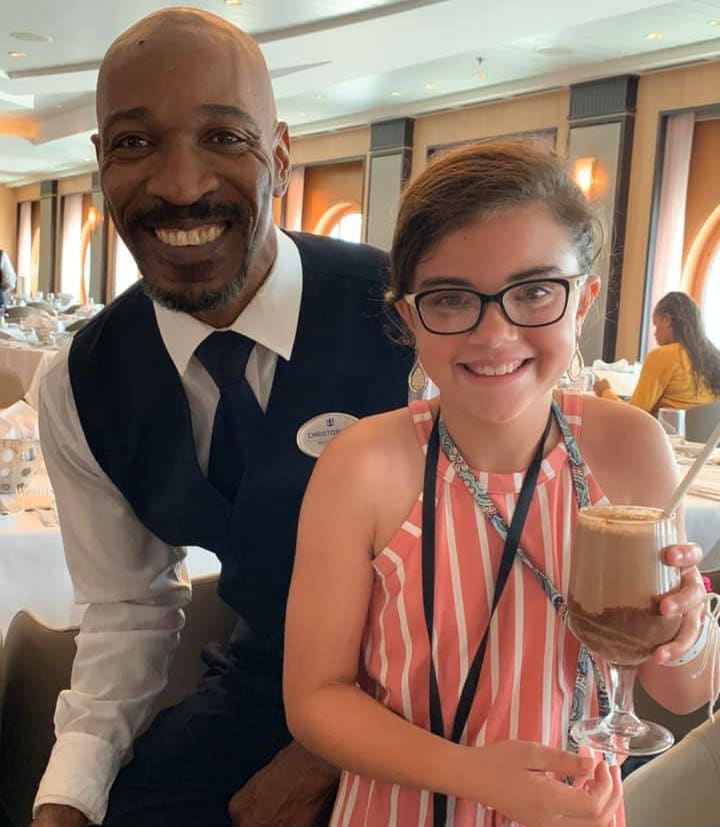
(136, 419)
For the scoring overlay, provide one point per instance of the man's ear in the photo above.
(281, 159)
(98, 147)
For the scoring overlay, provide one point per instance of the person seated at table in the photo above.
(684, 371)
(8, 279)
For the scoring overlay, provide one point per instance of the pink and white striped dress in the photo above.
(526, 685)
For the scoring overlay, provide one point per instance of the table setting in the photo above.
(33, 572)
(31, 334)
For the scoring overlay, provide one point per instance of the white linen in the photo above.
(34, 576)
(19, 365)
(133, 582)
(19, 421)
(622, 375)
(702, 514)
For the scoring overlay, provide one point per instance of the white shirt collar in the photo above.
(270, 319)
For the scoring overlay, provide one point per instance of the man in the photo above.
(151, 445)
(8, 279)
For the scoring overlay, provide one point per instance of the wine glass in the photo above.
(617, 580)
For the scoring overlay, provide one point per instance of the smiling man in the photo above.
(191, 411)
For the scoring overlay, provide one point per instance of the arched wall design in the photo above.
(700, 254)
(334, 214)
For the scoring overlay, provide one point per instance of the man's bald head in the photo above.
(170, 30)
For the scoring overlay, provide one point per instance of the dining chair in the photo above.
(46, 307)
(700, 421)
(36, 666)
(17, 312)
(681, 787)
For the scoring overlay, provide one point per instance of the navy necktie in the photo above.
(238, 416)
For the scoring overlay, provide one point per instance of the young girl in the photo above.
(684, 370)
(491, 265)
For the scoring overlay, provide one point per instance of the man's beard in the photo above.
(192, 297)
(186, 300)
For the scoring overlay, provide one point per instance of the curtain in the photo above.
(24, 249)
(670, 232)
(70, 263)
(294, 199)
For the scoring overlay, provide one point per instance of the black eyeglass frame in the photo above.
(567, 282)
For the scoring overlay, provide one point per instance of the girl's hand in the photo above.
(600, 386)
(523, 781)
(688, 600)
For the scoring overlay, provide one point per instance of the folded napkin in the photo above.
(621, 366)
(19, 421)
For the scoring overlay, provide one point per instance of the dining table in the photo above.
(21, 366)
(35, 577)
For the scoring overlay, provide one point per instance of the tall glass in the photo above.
(617, 580)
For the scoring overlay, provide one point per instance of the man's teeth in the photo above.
(190, 238)
(494, 370)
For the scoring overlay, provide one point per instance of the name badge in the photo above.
(315, 434)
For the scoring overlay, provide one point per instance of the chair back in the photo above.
(17, 311)
(681, 787)
(700, 421)
(37, 666)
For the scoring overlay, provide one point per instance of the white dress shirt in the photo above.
(134, 583)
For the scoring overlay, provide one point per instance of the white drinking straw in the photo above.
(693, 472)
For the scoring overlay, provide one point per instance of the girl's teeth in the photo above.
(190, 238)
(494, 370)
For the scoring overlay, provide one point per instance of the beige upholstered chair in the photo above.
(17, 312)
(680, 788)
(700, 421)
(36, 665)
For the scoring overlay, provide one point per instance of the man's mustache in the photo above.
(169, 215)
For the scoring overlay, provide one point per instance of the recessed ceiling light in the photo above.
(713, 22)
(430, 86)
(232, 2)
(653, 36)
(17, 54)
(394, 93)
(479, 75)
(554, 50)
(31, 37)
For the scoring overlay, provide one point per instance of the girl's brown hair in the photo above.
(479, 181)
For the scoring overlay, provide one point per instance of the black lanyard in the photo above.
(428, 585)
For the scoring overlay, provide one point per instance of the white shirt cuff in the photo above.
(80, 772)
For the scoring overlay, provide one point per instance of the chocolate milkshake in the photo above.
(617, 580)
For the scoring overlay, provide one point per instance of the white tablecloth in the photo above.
(702, 516)
(33, 574)
(20, 368)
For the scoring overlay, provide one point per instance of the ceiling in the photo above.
(339, 63)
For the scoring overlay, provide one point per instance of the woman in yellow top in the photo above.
(685, 370)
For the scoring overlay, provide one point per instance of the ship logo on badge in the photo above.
(315, 434)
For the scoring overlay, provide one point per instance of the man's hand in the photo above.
(59, 815)
(294, 790)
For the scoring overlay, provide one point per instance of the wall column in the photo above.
(48, 236)
(601, 121)
(388, 170)
(98, 245)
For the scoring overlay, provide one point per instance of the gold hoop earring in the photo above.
(577, 365)
(417, 378)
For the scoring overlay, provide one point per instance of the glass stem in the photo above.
(622, 719)
(623, 685)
